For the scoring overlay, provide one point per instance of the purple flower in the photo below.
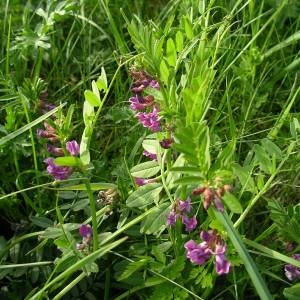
(154, 84)
(140, 181)
(152, 156)
(180, 211)
(172, 217)
(55, 150)
(197, 253)
(137, 102)
(292, 272)
(73, 148)
(222, 265)
(45, 134)
(206, 235)
(218, 204)
(85, 230)
(190, 223)
(166, 143)
(138, 89)
(49, 133)
(150, 120)
(58, 172)
(212, 245)
(185, 205)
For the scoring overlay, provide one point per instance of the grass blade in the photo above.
(257, 280)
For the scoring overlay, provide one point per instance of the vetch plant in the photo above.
(212, 245)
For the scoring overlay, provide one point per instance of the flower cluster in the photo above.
(211, 195)
(58, 172)
(180, 211)
(211, 245)
(61, 172)
(86, 233)
(292, 272)
(144, 106)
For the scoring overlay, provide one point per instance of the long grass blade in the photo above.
(257, 280)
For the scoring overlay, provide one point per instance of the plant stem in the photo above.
(93, 214)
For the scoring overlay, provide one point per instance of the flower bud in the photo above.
(198, 190)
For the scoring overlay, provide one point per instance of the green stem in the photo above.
(107, 284)
(69, 286)
(93, 214)
(35, 264)
(23, 98)
(163, 179)
(37, 67)
(7, 46)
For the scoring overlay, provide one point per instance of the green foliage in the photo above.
(287, 220)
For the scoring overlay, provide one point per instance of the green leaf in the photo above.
(188, 28)
(197, 180)
(68, 161)
(292, 293)
(271, 148)
(144, 195)
(95, 186)
(244, 175)
(151, 145)
(157, 94)
(173, 176)
(164, 71)
(102, 81)
(232, 203)
(68, 120)
(132, 267)
(84, 146)
(81, 204)
(179, 41)
(187, 170)
(95, 89)
(88, 113)
(42, 222)
(91, 267)
(156, 220)
(294, 128)
(91, 98)
(145, 170)
(171, 53)
(263, 159)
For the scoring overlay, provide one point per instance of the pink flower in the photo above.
(212, 245)
(152, 156)
(140, 181)
(185, 205)
(190, 223)
(292, 272)
(73, 148)
(58, 172)
(150, 120)
(55, 150)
